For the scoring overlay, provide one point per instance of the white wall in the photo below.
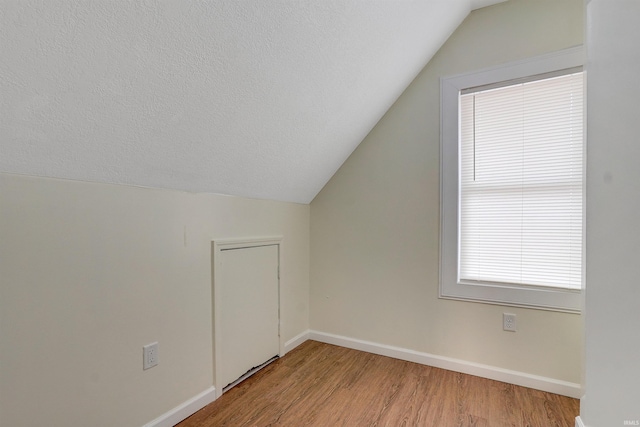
(613, 202)
(89, 273)
(375, 225)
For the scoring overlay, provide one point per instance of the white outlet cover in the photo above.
(509, 322)
(149, 355)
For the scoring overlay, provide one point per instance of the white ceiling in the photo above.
(262, 99)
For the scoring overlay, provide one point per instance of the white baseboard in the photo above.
(198, 402)
(491, 372)
(184, 410)
(550, 385)
(296, 341)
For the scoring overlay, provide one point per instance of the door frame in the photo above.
(217, 246)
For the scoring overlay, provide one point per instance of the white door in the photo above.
(249, 310)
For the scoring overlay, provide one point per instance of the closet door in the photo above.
(249, 310)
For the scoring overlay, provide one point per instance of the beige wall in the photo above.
(375, 225)
(89, 273)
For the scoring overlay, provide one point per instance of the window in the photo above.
(512, 184)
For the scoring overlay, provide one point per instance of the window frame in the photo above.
(539, 297)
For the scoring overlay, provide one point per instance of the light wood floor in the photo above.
(324, 385)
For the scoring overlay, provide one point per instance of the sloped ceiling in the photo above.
(262, 99)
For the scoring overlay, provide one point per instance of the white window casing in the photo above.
(512, 155)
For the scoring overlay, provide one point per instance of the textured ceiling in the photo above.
(262, 99)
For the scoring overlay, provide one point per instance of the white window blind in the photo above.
(520, 178)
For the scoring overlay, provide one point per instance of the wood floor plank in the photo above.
(319, 384)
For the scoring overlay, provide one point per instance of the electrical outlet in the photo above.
(150, 355)
(509, 322)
